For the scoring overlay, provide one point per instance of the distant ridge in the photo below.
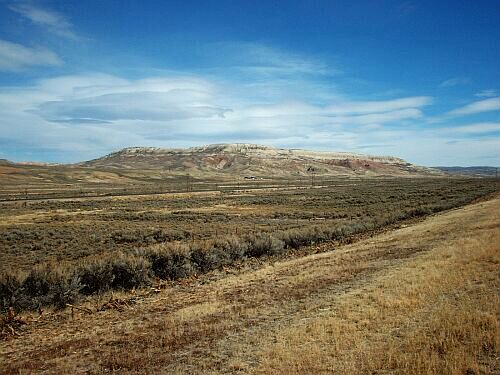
(469, 171)
(255, 160)
(33, 163)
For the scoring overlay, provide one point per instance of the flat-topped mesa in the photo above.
(256, 160)
(256, 151)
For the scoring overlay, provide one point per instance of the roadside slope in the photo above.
(420, 299)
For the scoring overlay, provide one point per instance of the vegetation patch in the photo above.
(133, 258)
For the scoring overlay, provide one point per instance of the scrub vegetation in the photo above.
(64, 249)
(420, 299)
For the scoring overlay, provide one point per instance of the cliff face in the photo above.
(249, 159)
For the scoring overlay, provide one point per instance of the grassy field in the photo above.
(69, 229)
(67, 244)
(421, 299)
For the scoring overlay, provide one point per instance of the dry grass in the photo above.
(439, 314)
(38, 226)
(420, 300)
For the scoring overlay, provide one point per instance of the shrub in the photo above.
(233, 246)
(263, 244)
(10, 291)
(45, 285)
(169, 261)
(95, 276)
(120, 271)
(207, 256)
(296, 238)
(129, 271)
(66, 291)
(420, 211)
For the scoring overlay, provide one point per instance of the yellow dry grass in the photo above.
(423, 299)
(438, 314)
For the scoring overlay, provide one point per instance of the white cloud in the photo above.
(478, 128)
(486, 93)
(94, 98)
(342, 111)
(52, 21)
(15, 57)
(380, 118)
(457, 81)
(102, 98)
(137, 105)
(264, 60)
(487, 105)
(380, 106)
(83, 116)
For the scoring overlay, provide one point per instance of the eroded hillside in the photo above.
(258, 160)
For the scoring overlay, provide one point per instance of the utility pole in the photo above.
(311, 169)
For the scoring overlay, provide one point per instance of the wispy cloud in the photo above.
(138, 105)
(105, 99)
(486, 93)
(180, 110)
(264, 59)
(54, 22)
(380, 106)
(16, 57)
(457, 81)
(487, 105)
(344, 109)
(476, 128)
(406, 8)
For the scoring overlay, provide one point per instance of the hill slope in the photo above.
(250, 160)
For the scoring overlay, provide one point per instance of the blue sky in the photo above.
(414, 79)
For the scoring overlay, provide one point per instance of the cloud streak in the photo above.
(486, 105)
(104, 99)
(363, 107)
(48, 19)
(477, 128)
(16, 57)
(261, 59)
(139, 105)
(486, 93)
(457, 81)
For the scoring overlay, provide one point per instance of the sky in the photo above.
(414, 79)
